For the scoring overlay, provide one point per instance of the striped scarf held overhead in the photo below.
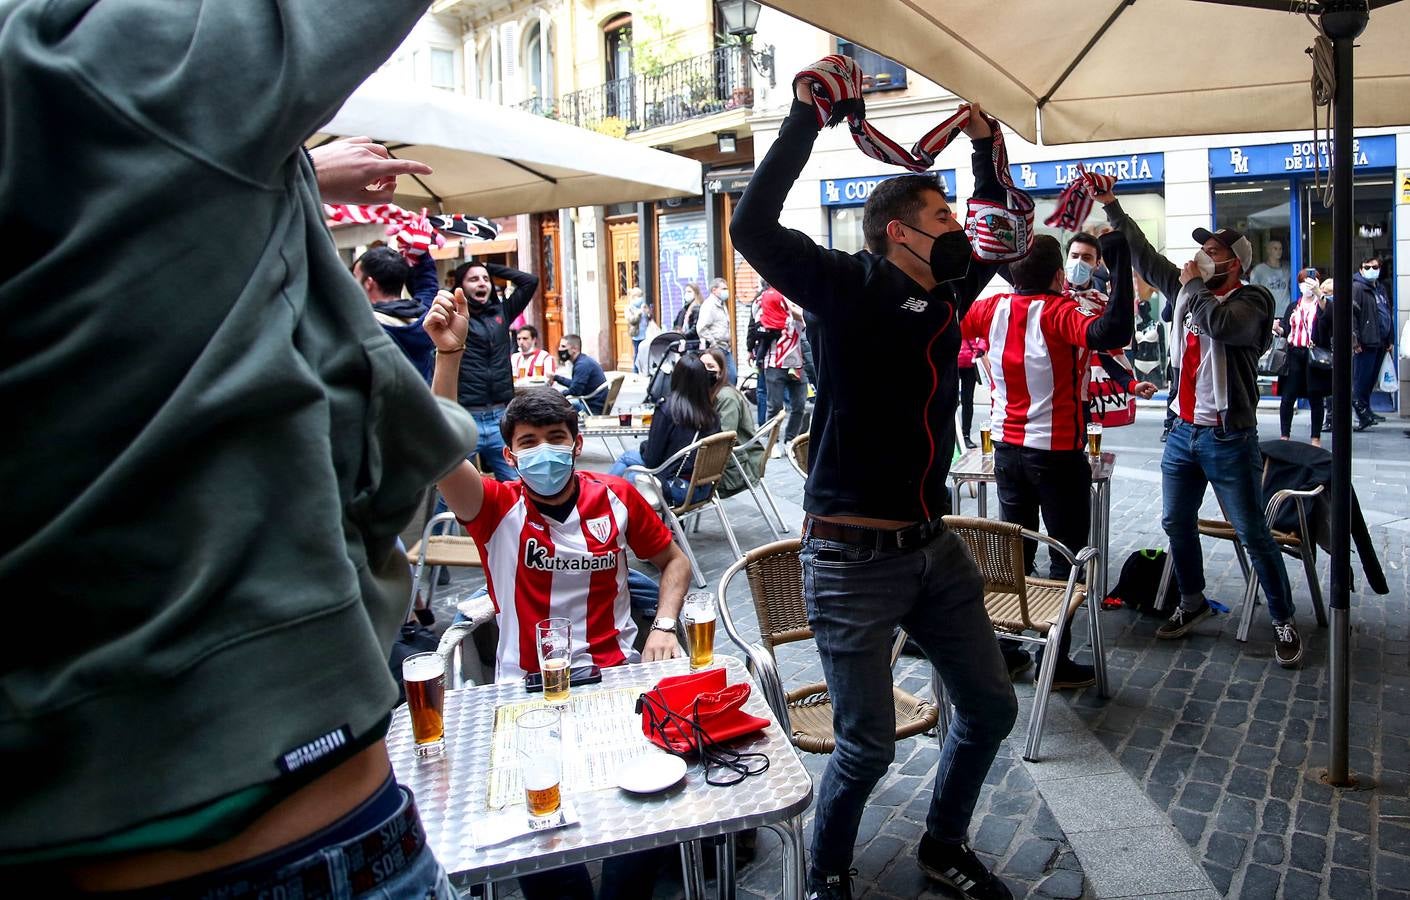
(997, 232)
(1074, 205)
(413, 232)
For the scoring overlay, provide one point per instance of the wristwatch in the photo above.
(664, 623)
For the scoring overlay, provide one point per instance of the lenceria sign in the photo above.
(1056, 174)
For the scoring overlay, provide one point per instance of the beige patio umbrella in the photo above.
(491, 160)
(1064, 72)
(1108, 69)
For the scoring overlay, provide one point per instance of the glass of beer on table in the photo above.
(986, 440)
(699, 616)
(425, 678)
(538, 737)
(1094, 439)
(554, 638)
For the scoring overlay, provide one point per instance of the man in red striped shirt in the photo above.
(1040, 344)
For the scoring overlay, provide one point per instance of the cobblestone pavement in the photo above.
(1225, 744)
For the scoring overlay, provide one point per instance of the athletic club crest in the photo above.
(600, 527)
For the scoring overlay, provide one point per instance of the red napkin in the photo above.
(700, 697)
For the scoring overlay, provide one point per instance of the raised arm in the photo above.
(788, 259)
(986, 187)
(423, 283)
(1114, 328)
(525, 287)
(1159, 272)
(447, 323)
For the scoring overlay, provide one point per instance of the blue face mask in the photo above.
(1078, 272)
(546, 468)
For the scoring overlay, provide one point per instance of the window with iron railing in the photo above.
(878, 72)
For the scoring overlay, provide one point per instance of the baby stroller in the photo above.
(661, 356)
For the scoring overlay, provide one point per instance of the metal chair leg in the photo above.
(692, 871)
(724, 523)
(768, 495)
(1094, 634)
(1308, 552)
(942, 703)
(724, 868)
(1043, 692)
(1246, 615)
(679, 529)
(1163, 590)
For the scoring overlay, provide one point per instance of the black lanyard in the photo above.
(723, 767)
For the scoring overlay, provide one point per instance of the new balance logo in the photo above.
(915, 304)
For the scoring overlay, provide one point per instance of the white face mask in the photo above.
(1308, 287)
(1208, 268)
(1078, 272)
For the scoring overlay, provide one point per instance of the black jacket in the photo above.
(486, 378)
(1366, 317)
(882, 434)
(668, 437)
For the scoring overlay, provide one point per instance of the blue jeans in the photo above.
(761, 395)
(336, 849)
(855, 599)
(1230, 462)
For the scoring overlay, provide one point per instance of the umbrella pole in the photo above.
(1342, 22)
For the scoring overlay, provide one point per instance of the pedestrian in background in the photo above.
(1375, 331)
(686, 321)
(971, 351)
(1307, 324)
(713, 324)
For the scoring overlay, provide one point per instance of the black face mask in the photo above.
(714, 377)
(563, 355)
(949, 255)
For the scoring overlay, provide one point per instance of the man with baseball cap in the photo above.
(1222, 326)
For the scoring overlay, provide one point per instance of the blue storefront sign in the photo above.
(855, 191)
(1298, 157)
(1056, 174)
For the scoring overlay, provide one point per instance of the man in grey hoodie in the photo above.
(1221, 327)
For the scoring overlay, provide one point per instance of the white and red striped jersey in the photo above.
(1300, 322)
(1109, 403)
(1039, 366)
(1199, 361)
(787, 349)
(537, 567)
(538, 364)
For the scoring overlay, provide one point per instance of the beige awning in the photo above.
(1110, 69)
(491, 160)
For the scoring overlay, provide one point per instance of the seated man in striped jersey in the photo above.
(554, 543)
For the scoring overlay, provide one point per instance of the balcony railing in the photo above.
(702, 85)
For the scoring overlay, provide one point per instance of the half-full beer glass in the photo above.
(699, 616)
(539, 742)
(1094, 439)
(555, 645)
(425, 678)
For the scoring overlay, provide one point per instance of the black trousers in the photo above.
(1057, 483)
(1292, 384)
(968, 379)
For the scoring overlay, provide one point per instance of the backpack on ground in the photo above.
(1139, 583)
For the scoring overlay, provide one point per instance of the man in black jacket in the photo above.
(1372, 332)
(875, 552)
(486, 377)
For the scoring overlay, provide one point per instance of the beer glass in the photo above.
(1094, 440)
(986, 440)
(425, 677)
(699, 616)
(538, 740)
(554, 638)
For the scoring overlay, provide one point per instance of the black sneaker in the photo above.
(1287, 646)
(1070, 675)
(830, 887)
(443, 576)
(968, 444)
(956, 867)
(1181, 621)
(1016, 658)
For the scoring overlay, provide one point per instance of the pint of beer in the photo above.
(554, 638)
(699, 616)
(986, 441)
(539, 743)
(1094, 439)
(425, 677)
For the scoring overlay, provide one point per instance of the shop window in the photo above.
(846, 228)
(878, 72)
(1262, 211)
(442, 68)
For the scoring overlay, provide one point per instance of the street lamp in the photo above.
(741, 17)
(725, 142)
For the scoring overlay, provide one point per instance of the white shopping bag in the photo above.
(1387, 380)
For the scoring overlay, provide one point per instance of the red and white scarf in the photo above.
(413, 232)
(1074, 205)
(997, 232)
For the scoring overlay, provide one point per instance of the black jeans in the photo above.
(1292, 385)
(631, 876)
(1057, 483)
(968, 379)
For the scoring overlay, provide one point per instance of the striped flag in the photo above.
(1074, 205)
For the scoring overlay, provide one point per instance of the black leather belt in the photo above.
(910, 537)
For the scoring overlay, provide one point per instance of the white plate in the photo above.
(652, 773)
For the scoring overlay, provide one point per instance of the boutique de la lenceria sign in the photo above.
(1300, 156)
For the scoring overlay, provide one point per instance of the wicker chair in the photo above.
(1032, 610)
(440, 546)
(767, 437)
(776, 583)
(1291, 543)
(798, 455)
(712, 454)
